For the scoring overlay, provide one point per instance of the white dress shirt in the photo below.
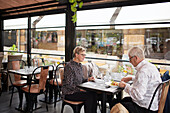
(144, 84)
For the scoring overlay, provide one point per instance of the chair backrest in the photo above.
(164, 93)
(16, 65)
(43, 76)
(12, 58)
(164, 86)
(60, 71)
(1, 57)
(85, 72)
(165, 77)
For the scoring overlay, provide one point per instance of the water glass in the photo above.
(31, 68)
(26, 69)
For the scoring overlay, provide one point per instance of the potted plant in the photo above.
(13, 48)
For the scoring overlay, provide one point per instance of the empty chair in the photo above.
(17, 82)
(1, 57)
(33, 90)
(56, 81)
(37, 62)
(9, 65)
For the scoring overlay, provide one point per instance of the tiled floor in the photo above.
(5, 108)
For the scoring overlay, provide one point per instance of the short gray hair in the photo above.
(136, 51)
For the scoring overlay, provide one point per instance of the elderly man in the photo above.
(144, 84)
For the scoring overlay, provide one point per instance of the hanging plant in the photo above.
(74, 5)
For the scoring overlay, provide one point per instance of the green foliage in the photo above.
(74, 18)
(72, 1)
(74, 5)
(81, 4)
(13, 48)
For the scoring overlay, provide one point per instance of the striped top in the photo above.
(145, 82)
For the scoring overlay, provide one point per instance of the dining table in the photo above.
(100, 86)
(27, 73)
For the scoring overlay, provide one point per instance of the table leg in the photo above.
(20, 99)
(120, 95)
(50, 93)
(103, 102)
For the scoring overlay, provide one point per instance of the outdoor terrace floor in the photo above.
(5, 108)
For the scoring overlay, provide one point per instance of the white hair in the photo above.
(136, 51)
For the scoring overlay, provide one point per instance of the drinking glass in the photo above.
(26, 69)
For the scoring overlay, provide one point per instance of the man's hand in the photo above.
(122, 84)
(91, 79)
(126, 79)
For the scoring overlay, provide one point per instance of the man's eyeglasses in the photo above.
(131, 58)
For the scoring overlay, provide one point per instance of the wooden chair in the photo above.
(165, 87)
(75, 105)
(37, 62)
(17, 82)
(56, 81)
(119, 108)
(33, 90)
(165, 77)
(162, 89)
(9, 66)
(1, 57)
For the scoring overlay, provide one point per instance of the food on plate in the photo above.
(113, 83)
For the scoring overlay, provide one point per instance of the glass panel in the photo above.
(19, 23)
(146, 26)
(114, 43)
(17, 38)
(48, 41)
(49, 59)
(95, 17)
(48, 21)
(101, 41)
(144, 13)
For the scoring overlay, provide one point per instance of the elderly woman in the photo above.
(73, 76)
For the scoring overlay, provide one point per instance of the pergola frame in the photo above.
(57, 7)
